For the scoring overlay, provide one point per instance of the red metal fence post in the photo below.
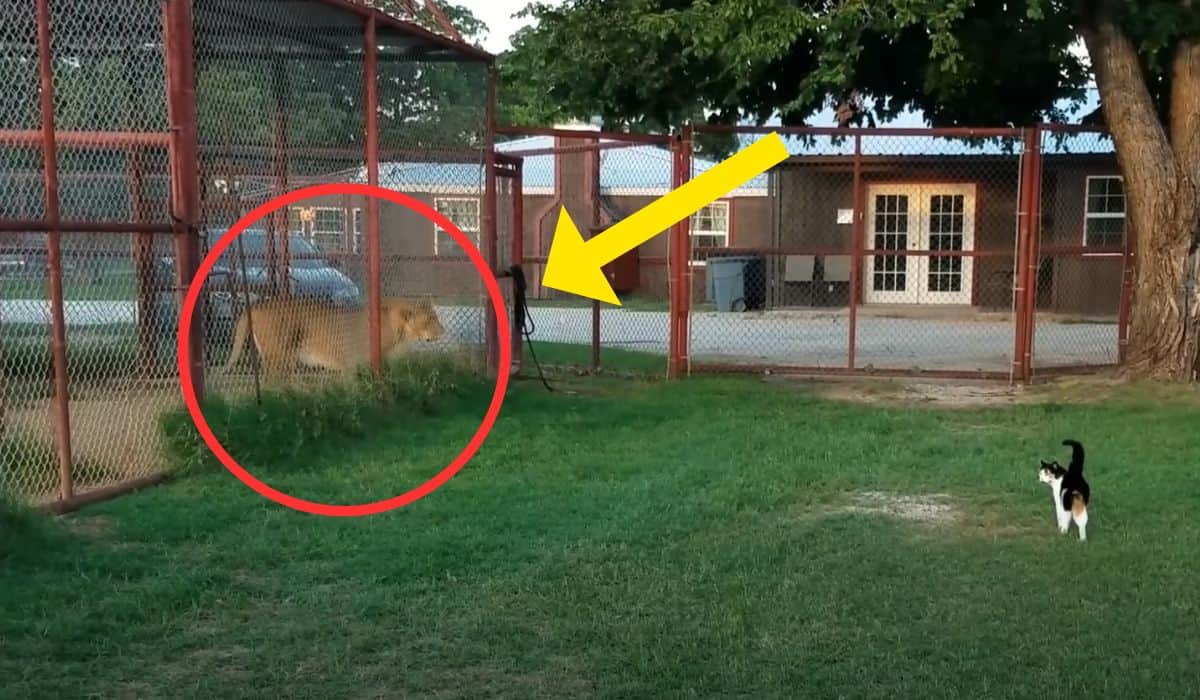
(490, 249)
(374, 276)
(280, 268)
(1020, 268)
(185, 169)
(857, 233)
(143, 256)
(593, 196)
(1033, 256)
(1128, 269)
(58, 340)
(679, 264)
(517, 253)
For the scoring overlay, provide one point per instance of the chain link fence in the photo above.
(897, 251)
(171, 120)
(1082, 252)
(986, 252)
(600, 179)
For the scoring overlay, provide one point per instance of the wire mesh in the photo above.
(433, 147)
(599, 180)
(913, 274)
(108, 87)
(1081, 252)
(280, 104)
(302, 79)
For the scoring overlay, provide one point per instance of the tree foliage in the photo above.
(957, 62)
(960, 62)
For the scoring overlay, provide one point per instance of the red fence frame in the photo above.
(181, 142)
(1029, 248)
(679, 244)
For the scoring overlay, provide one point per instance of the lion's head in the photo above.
(414, 320)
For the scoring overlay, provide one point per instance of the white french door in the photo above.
(919, 218)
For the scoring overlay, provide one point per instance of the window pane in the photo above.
(465, 215)
(1106, 231)
(330, 220)
(1105, 195)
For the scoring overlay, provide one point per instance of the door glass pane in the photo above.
(890, 273)
(946, 229)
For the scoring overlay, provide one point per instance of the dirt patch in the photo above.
(93, 527)
(906, 392)
(958, 393)
(112, 439)
(930, 508)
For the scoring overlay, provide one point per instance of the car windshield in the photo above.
(303, 253)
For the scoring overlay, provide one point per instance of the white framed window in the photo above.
(328, 229)
(1104, 211)
(464, 212)
(324, 227)
(360, 227)
(710, 228)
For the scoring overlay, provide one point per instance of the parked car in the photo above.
(310, 275)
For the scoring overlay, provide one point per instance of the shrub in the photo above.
(286, 426)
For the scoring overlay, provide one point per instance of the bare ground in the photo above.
(954, 393)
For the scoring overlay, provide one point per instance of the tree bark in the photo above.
(1162, 201)
(1185, 140)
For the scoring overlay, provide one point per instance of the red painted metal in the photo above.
(725, 368)
(1071, 128)
(388, 22)
(560, 150)
(959, 132)
(443, 21)
(826, 251)
(657, 139)
(279, 218)
(185, 184)
(87, 139)
(679, 264)
(20, 226)
(70, 505)
(1021, 280)
(58, 337)
(517, 253)
(143, 256)
(491, 250)
(1033, 258)
(857, 233)
(374, 273)
(595, 335)
(335, 153)
(1127, 286)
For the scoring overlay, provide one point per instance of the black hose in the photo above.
(522, 320)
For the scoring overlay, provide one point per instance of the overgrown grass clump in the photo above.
(26, 535)
(293, 424)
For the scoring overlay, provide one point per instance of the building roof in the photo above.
(629, 170)
(646, 169)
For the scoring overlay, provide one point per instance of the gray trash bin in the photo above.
(737, 283)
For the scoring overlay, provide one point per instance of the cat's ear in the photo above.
(1045, 464)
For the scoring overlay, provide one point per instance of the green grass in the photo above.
(580, 356)
(114, 285)
(641, 540)
(631, 302)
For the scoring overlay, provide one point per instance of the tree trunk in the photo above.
(1162, 202)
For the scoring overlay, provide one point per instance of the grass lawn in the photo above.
(580, 355)
(701, 539)
(115, 285)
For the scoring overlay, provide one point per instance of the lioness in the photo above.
(290, 331)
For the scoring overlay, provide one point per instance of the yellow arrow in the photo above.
(574, 265)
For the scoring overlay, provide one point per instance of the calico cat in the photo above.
(1069, 489)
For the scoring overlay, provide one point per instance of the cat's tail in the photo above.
(1076, 466)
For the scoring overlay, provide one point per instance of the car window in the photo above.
(254, 244)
